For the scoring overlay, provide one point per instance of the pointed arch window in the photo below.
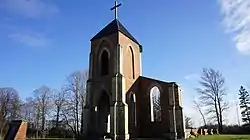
(155, 105)
(133, 108)
(104, 63)
(132, 62)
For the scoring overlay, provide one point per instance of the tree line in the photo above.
(212, 104)
(60, 112)
(48, 111)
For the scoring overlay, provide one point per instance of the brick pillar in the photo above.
(21, 133)
(172, 118)
(17, 130)
(119, 108)
(180, 127)
(90, 119)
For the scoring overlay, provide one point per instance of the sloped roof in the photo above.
(114, 27)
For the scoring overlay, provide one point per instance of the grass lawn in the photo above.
(222, 137)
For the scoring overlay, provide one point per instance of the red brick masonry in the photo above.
(21, 133)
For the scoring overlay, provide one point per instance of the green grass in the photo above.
(222, 137)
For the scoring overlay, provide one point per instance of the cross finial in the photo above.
(116, 8)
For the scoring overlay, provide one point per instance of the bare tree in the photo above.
(43, 103)
(76, 85)
(188, 122)
(85, 75)
(37, 114)
(155, 104)
(212, 93)
(59, 99)
(157, 107)
(9, 107)
(28, 110)
(198, 107)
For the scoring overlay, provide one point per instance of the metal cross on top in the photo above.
(116, 8)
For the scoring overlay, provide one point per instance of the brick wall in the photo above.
(17, 130)
(21, 133)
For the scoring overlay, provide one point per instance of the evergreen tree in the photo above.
(244, 104)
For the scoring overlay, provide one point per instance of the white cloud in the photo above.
(30, 8)
(236, 19)
(192, 76)
(30, 40)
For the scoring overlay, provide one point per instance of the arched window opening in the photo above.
(108, 124)
(133, 109)
(103, 113)
(104, 63)
(132, 62)
(155, 105)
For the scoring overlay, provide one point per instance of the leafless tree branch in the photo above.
(212, 93)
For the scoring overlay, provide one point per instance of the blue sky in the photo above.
(43, 41)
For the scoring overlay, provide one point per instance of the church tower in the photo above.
(114, 50)
(120, 102)
(114, 65)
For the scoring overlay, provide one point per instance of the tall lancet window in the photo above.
(104, 63)
(155, 105)
(133, 108)
(132, 63)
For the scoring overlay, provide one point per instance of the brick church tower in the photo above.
(115, 64)
(119, 100)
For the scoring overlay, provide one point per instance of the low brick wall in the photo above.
(199, 131)
(17, 130)
(21, 133)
